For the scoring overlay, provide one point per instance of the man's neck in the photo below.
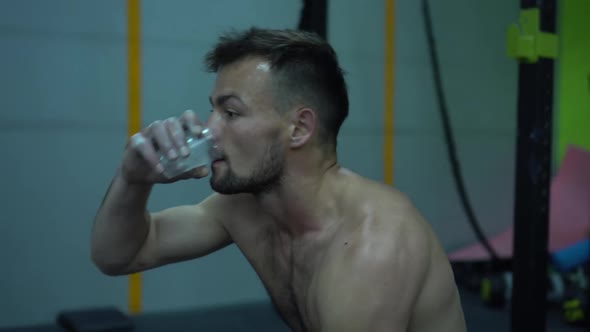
(300, 204)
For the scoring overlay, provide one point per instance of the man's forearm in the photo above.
(121, 224)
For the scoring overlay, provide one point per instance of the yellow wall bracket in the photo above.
(527, 43)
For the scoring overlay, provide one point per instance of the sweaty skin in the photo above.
(374, 266)
(336, 251)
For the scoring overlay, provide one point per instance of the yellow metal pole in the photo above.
(389, 91)
(134, 114)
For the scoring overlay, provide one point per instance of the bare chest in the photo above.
(288, 272)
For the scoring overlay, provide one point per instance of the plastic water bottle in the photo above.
(200, 155)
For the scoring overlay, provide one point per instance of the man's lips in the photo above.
(217, 161)
(216, 155)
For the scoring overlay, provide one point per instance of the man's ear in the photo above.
(303, 125)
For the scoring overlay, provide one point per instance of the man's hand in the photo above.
(141, 161)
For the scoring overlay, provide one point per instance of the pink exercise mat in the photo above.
(569, 214)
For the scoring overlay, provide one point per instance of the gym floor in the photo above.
(261, 317)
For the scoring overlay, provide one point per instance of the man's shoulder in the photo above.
(381, 203)
(390, 230)
(358, 183)
(382, 260)
(384, 224)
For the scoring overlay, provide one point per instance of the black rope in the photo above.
(450, 143)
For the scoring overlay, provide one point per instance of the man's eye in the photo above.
(230, 113)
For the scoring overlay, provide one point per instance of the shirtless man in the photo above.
(336, 251)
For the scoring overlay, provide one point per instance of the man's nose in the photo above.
(214, 125)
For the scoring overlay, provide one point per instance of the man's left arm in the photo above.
(374, 285)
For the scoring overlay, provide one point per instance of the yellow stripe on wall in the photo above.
(134, 113)
(389, 88)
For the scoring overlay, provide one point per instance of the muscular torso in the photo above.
(289, 268)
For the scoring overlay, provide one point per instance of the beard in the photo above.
(265, 176)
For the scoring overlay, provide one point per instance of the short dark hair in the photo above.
(304, 65)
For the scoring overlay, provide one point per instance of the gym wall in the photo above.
(63, 126)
